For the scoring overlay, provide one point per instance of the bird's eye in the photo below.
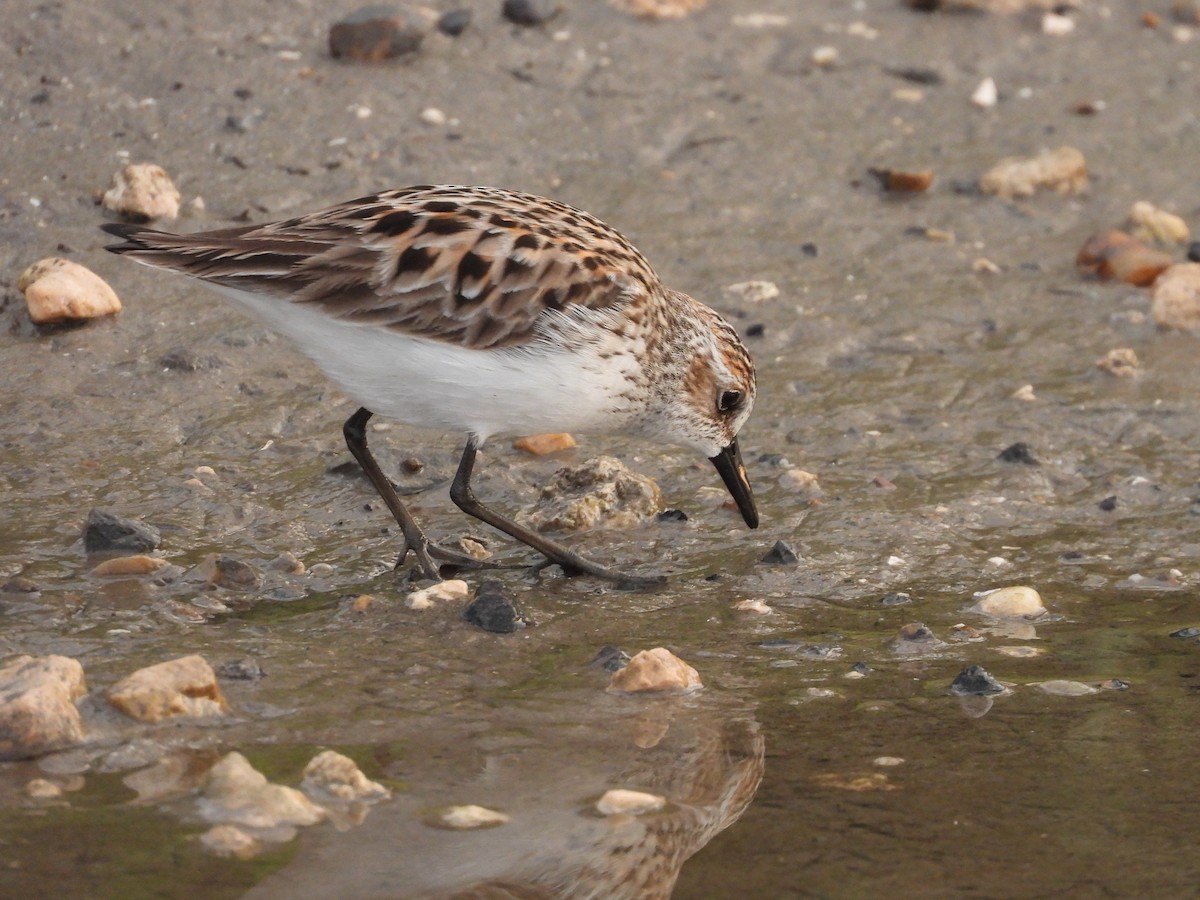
(729, 401)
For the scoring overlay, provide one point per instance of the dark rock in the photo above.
(241, 670)
(610, 659)
(917, 75)
(809, 249)
(375, 33)
(454, 22)
(1193, 251)
(244, 122)
(19, 584)
(105, 531)
(530, 12)
(861, 668)
(780, 555)
(1018, 453)
(184, 359)
(492, 610)
(227, 572)
(975, 680)
(672, 515)
(758, 329)
(1186, 633)
(896, 598)
(1108, 504)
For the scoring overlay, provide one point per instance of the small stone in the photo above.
(231, 841)
(19, 584)
(1114, 255)
(541, 444)
(1018, 453)
(454, 22)
(1149, 223)
(1185, 634)
(655, 670)
(985, 95)
(1175, 300)
(753, 291)
(610, 659)
(1193, 252)
(825, 57)
(859, 670)
(1025, 394)
(58, 290)
(226, 572)
(1121, 362)
(1021, 652)
(1016, 601)
(492, 610)
(241, 670)
(630, 803)
(1057, 25)
(1062, 170)
(187, 359)
(896, 598)
(363, 602)
(470, 816)
(902, 181)
(37, 705)
(888, 761)
(800, 482)
(529, 12)
(659, 9)
(1062, 688)
(780, 555)
(236, 793)
(186, 686)
(983, 266)
(129, 565)
(672, 515)
(433, 116)
(142, 191)
(602, 492)
(41, 789)
(286, 563)
(106, 532)
(332, 775)
(753, 606)
(442, 592)
(376, 33)
(974, 681)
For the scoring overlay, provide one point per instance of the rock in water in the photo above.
(180, 687)
(37, 705)
(104, 532)
(655, 670)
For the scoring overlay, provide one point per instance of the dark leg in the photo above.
(415, 541)
(572, 563)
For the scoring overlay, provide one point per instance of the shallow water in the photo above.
(720, 151)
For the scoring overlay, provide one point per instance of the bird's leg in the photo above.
(571, 562)
(415, 541)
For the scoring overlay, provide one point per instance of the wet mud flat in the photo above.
(894, 366)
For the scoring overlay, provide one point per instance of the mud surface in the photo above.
(726, 155)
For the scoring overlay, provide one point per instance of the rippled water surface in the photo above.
(825, 756)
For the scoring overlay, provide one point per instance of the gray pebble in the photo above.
(105, 531)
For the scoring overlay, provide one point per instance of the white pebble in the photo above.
(825, 57)
(1055, 24)
(1024, 393)
(888, 760)
(433, 116)
(454, 589)
(630, 803)
(754, 606)
(471, 816)
(799, 481)
(1014, 601)
(985, 95)
(753, 291)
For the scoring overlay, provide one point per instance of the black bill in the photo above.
(729, 463)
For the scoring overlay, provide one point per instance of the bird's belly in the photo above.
(438, 385)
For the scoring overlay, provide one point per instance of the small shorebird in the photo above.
(483, 311)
